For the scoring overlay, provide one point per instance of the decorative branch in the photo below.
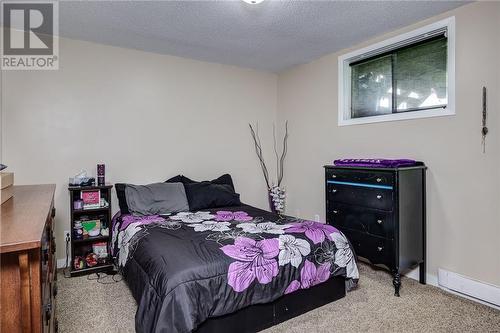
(283, 155)
(260, 155)
(280, 160)
(276, 153)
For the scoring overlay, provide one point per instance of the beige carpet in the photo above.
(88, 306)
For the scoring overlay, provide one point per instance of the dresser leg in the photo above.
(422, 273)
(396, 281)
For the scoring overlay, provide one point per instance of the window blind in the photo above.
(435, 34)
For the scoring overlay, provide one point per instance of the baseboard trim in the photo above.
(429, 278)
(482, 292)
(61, 263)
(460, 285)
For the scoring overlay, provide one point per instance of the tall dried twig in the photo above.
(283, 155)
(276, 153)
(280, 160)
(258, 150)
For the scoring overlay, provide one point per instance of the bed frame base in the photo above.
(261, 316)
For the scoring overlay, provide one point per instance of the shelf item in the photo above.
(6, 186)
(93, 227)
(6, 179)
(91, 198)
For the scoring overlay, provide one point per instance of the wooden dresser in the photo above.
(382, 213)
(28, 265)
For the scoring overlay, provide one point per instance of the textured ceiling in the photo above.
(273, 35)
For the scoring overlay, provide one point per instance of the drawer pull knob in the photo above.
(335, 211)
(379, 221)
(379, 196)
(379, 180)
(380, 248)
(334, 191)
(334, 176)
(48, 312)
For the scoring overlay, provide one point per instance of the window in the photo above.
(409, 76)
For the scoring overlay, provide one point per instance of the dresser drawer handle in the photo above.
(48, 312)
(379, 196)
(379, 180)
(45, 256)
(379, 221)
(380, 248)
(334, 190)
(333, 175)
(335, 211)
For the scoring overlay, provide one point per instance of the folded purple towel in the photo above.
(374, 162)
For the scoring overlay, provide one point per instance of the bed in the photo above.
(229, 269)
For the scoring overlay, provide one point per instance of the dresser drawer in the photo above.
(360, 176)
(361, 196)
(376, 249)
(372, 221)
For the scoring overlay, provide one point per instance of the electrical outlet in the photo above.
(316, 217)
(67, 233)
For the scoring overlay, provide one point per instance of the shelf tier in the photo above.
(86, 188)
(93, 210)
(91, 239)
(89, 270)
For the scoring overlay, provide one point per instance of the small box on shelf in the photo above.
(6, 186)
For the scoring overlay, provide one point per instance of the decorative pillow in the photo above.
(122, 201)
(158, 198)
(207, 195)
(222, 180)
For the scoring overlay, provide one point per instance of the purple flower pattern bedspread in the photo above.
(186, 268)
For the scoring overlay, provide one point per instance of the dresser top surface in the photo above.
(419, 165)
(23, 217)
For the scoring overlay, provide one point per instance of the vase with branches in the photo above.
(276, 193)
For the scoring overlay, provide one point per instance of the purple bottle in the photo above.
(100, 174)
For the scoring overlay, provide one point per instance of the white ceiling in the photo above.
(273, 35)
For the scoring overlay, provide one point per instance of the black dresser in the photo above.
(382, 213)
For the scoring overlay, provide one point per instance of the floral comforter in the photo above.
(186, 268)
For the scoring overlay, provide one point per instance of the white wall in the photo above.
(146, 116)
(463, 183)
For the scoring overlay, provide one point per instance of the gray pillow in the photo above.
(158, 198)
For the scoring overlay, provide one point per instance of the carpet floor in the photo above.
(85, 305)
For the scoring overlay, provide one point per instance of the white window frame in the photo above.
(344, 93)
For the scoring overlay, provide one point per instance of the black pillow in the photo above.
(122, 199)
(180, 179)
(222, 180)
(225, 179)
(205, 195)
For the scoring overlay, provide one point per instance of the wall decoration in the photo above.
(276, 193)
(484, 129)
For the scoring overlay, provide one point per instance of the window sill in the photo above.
(397, 116)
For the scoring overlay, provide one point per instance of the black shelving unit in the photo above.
(81, 247)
